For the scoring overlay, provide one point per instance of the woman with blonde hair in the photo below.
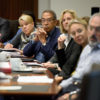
(72, 15)
(78, 31)
(66, 17)
(27, 24)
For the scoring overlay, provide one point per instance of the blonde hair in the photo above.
(78, 21)
(86, 18)
(26, 18)
(72, 12)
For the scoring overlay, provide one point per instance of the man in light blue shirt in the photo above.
(90, 54)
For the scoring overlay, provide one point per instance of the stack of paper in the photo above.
(35, 79)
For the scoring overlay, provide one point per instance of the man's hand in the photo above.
(41, 35)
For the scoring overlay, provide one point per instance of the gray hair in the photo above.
(96, 14)
(51, 12)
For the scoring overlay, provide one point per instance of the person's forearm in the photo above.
(66, 83)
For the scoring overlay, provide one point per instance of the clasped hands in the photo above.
(40, 35)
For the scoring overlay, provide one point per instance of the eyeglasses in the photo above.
(97, 29)
(48, 20)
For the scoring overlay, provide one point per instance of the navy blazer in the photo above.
(33, 48)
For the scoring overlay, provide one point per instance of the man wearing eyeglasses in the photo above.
(45, 42)
(90, 55)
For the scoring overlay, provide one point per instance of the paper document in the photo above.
(10, 87)
(39, 70)
(35, 79)
(32, 64)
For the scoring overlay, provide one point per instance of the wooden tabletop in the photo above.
(29, 91)
(30, 88)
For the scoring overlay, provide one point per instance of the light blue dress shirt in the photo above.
(88, 57)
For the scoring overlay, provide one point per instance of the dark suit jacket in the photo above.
(67, 58)
(4, 30)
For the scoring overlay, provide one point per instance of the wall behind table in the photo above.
(12, 9)
(82, 7)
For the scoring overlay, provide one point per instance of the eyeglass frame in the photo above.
(48, 20)
(97, 29)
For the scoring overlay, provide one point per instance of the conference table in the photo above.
(29, 90)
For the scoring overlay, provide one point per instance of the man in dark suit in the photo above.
(45, 42)
(4, 31)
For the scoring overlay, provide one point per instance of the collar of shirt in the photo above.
(68, 38)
